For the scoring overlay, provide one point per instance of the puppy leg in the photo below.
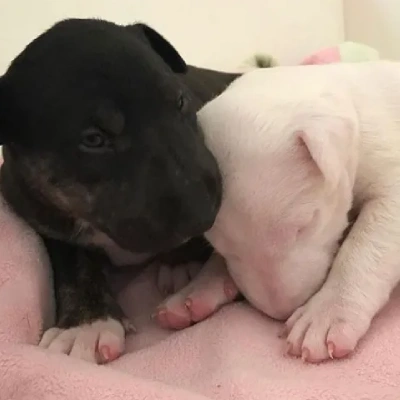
(205, 294)
(363, 275)
(172, 278)
(90, 324)
(179, 266)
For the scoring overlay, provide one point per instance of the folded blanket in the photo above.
(236, 354)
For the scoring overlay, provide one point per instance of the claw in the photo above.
(188, 303)
(331, 350)
(129, 326)
(305, 354)
(105, 353)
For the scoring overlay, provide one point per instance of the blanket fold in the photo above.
(235, 355)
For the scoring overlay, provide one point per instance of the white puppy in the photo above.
(299, 148)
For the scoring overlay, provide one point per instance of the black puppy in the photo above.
(104, 158)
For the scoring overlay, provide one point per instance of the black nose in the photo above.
(201, 205)
(196, 223)
(208, 221)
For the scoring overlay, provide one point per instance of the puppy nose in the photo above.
(196, 216)
(208, 220)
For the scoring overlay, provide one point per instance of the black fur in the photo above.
(100, 134)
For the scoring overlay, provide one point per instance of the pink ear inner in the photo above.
(323, 153)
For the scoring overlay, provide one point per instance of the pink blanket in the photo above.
(234, 355)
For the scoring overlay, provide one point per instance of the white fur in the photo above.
(299, 147)
(86, 341)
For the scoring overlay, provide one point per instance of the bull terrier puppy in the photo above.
(300, 149)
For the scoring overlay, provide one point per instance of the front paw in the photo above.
(211, 288)
(171, 279)
(99, 342)
(327, 326)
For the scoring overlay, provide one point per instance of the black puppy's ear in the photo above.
(161, 46)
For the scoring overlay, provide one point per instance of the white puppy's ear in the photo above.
(331, 142)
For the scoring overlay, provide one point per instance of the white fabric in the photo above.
(218, 34)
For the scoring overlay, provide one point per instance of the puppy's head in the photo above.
(289, 169)
(98, 122)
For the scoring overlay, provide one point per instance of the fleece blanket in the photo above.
(236, 354)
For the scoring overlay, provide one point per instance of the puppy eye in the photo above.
(181, 102)
(93, 139)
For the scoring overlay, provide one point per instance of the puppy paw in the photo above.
(209, 291)
(99, 342)
(171, 279)
(325, 327)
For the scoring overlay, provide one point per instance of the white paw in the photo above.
(171, 279)
(209, 290)
(327, 326)
(99, 342)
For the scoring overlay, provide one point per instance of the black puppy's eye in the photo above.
(94, 139)
(181, 102)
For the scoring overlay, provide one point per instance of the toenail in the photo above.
(105, 353)
(188, 303)
(331, 350)
(305, 354)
